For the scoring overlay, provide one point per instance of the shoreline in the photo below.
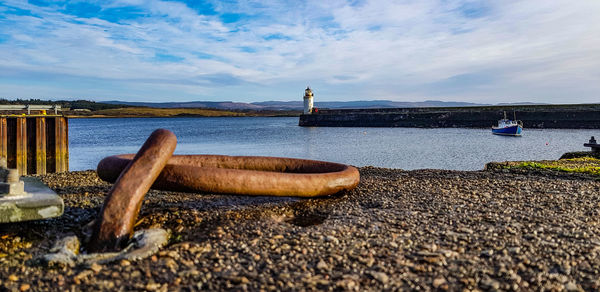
(422, 229)
(175, 117)
(132, 112)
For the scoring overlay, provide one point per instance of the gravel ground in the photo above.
(399, 230)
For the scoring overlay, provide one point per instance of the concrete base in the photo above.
(39, 202)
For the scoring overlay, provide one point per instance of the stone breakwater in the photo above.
(424, 229)
(539, 116)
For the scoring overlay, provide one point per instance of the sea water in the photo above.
(90, 140)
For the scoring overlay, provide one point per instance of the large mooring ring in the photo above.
(243, 175)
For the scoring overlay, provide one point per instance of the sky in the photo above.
(494, 51)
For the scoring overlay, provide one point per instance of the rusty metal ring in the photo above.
(243, 175)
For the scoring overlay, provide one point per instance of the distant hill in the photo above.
(191, 104)
(254, 106)
(522, 103)
(295, 105)
(69, 104)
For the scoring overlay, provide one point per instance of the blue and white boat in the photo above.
(508, 127)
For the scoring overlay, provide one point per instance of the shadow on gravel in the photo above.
(210, 218)
(308, 219)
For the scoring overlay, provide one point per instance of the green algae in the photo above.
(587, 165)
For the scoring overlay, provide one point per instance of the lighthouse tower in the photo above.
(308, 101)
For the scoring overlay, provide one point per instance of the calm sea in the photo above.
(407, 148)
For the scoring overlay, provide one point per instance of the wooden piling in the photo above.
(40, 149)
(21, 143)
(3, 138)
(35, 144)
(62, 145)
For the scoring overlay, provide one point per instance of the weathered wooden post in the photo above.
(3, 138)
(40, 145)
(21, 145)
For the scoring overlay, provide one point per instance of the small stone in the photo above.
(240, 280)
(152, 286)
(83, 274)
(514, 249)
(489, 283)
(125, 263)
(487, 253)
(24, 287)
(96, 267)
(439, 282)
(322, 265)
(13, 278)
(136, 274)
(170, 263)
(332, 239)
(380, 276)
(346, 284)
(465, 230)
(571, 287)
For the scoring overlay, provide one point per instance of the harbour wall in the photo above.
(533, 116)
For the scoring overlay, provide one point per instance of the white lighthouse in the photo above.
(308, 101)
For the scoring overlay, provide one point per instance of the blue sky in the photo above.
(135, 50)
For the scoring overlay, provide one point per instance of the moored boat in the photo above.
(508, 127)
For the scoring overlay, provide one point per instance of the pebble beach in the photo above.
(398, 230)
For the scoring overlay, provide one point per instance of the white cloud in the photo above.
(403, 50)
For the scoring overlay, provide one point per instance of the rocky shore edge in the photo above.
(498, 229)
